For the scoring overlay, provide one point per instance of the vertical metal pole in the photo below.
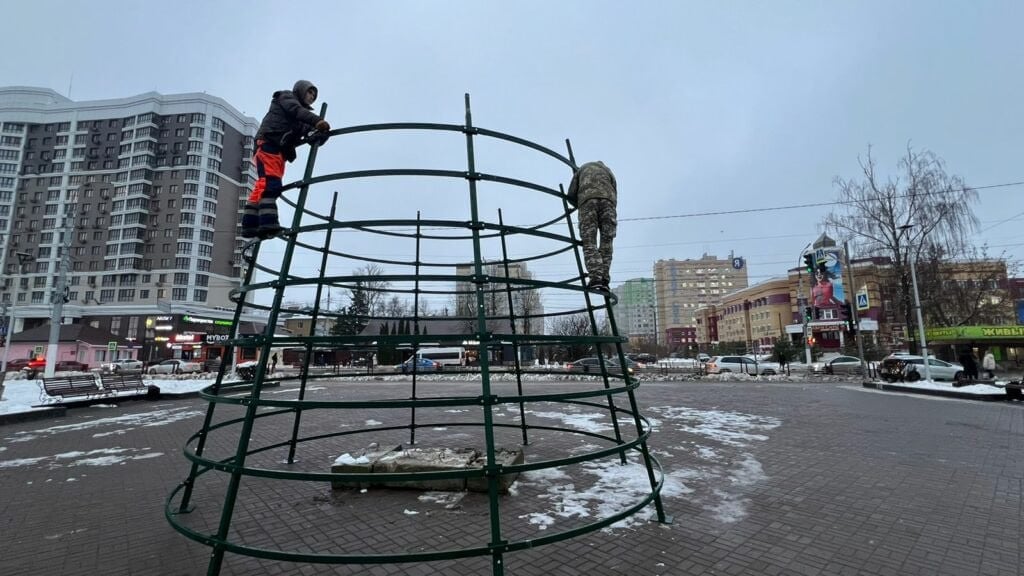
(853, 311)
(231, 494)
(57, 299)
(292, 443)
(483, 336)
(920, 321)
(416, 325)
(512, 325)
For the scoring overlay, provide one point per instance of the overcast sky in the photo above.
(697, 107)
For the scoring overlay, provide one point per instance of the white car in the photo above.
(175, 366)
(123, 365)
(741, 365)
(905, 367)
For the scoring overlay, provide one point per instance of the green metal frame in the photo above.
(248, 395)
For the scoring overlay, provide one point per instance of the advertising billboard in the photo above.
(827, 288)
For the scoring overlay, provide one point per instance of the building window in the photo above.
(179, 293)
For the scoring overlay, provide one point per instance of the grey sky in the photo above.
(695, 106)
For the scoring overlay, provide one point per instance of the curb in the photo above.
(1000, 397)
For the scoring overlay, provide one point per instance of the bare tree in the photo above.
(971, 290)
(376, 290)
(395, 307)
(920, 208)
(571, 326)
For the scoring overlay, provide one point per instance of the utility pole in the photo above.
(853, 310)
(60, 290)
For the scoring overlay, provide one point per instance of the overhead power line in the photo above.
(808, 205)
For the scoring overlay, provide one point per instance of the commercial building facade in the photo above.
(127, 209)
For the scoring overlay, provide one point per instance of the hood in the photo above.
(300, 89)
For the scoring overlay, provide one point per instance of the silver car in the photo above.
(838, 365)
(904, 367)
(742, 365)
(175, 366)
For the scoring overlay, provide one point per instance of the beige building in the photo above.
(684, 286)
(756, 315)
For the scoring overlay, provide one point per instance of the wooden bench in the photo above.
(122, 383)
(63, 387)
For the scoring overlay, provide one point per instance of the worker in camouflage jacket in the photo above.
(593, 191)
(284, 128)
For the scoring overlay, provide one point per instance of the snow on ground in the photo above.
(715, 470)
(980, 389)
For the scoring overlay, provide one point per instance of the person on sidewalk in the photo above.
(989, 364)
(289, 119)
(594, 191)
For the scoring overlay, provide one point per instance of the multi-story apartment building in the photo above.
(135, 201)
(635, 312)
(756, 315)
(683, 286)
(527, 304)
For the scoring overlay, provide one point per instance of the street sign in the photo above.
(737, 263)
(819, 255)
(38, 351)
(112, 346)
(867, 324)
(862, 301)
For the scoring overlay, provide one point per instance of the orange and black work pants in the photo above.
(261, 209)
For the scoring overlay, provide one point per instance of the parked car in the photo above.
(17, 364)
(742, 365)
(123, 366)
(71, 366)
(422, 365)
(838, 365)
(175, 366)
(592, 365)
(907, 368)
(34, 366)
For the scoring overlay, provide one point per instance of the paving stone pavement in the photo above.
(809, 479)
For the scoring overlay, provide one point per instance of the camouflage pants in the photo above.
(597, 215)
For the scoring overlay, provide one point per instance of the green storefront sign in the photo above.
(974, 333)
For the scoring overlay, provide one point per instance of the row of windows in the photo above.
(107, 296)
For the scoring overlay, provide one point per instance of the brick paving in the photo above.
(824, 480)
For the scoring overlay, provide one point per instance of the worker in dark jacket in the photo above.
(290, 118)
(594, 190)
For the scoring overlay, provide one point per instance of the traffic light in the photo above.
(846, 315)
(808, 313)
(811, 341)
(809, 263)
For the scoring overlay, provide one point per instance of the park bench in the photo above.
(62, 387)
(122, 383)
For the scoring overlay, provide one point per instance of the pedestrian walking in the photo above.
(989, 364)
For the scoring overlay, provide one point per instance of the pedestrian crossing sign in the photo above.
(862, 301)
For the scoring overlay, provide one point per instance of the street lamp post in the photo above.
(23, 259)
(917, 308)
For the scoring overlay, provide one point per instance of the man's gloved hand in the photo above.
(323, 126)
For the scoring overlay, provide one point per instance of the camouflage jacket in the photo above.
(592, 180)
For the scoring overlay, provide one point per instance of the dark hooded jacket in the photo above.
(288, 116)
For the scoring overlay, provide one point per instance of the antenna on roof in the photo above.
(70, 81)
